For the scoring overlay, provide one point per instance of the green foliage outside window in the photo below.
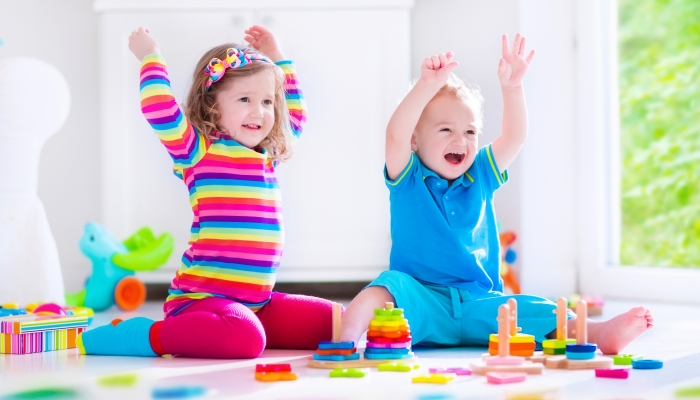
(659, 83)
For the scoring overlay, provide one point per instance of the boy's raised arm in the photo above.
(434, 73)
(511, 70)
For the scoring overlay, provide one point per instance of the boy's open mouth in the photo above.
(252, 126)
(454, 158)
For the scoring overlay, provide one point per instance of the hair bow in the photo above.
(235, 58)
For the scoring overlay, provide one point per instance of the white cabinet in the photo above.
(353, 64)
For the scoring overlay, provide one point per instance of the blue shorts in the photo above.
(447, 316)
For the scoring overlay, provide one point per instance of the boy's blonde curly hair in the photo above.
(200, 106)
(470, 93)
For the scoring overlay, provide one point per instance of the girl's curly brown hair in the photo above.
(201, 111)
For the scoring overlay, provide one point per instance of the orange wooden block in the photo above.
(518, 353)
(336, 352)
(275, 376)
(515, 346)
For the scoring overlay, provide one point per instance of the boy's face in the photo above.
(445, 138)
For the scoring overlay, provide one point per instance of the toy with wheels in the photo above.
(114, 265)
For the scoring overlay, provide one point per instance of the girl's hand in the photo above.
(436, 69)
(512, 67)
(264, 41)
(141, 43)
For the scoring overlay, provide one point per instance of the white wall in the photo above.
(538, 202)
(63, 33)
(548, 189)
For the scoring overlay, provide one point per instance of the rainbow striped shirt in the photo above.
(237, 235)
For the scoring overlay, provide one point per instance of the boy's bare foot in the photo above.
(615, 334)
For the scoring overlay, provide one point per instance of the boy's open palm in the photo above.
(141, 43)
(513, 66)
(436, 69)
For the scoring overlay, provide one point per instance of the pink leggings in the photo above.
(220, 328)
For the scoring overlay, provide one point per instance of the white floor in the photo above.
(675, 339)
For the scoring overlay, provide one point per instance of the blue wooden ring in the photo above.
(580, 356)
(326, 345)
(581, 348)
(647, 364)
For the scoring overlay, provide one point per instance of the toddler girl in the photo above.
(242, 113)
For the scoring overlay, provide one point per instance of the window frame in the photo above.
(598, 170)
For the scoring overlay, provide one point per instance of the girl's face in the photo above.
(445, 139)
(246, 108)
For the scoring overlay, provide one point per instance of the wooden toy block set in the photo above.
(40, 328)
(388, 339)
(511, 354)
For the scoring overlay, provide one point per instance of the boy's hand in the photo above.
(436, 69)
(264, 41)
(141, 43)
(512, 67)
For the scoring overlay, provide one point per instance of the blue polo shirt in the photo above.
(447, 235)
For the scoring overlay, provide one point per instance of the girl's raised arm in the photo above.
(181, 140)
(264, 41)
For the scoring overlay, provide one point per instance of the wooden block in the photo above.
(557, 344)
(499, 378)
(515, 346)
(519, 338)
(536, 357)
(518, 353)
(561, 362)
(361, 363)
(480, 368)
(439, 379)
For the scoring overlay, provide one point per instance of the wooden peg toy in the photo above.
(504, 362)
(580, 355)
(553, 347)
(389, 338)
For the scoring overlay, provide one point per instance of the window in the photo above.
(659, 129)
(638, 152)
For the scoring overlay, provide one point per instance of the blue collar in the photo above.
(466, 179)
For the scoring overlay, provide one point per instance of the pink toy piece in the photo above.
(500, 378)
(388, 345)
(616, 373)
(458, 371)
(508, 360)
(50, 308)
